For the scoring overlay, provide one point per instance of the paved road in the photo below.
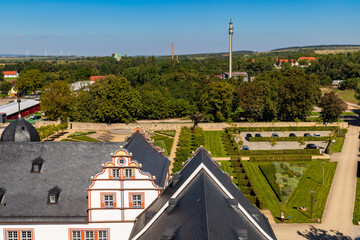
(337, 218)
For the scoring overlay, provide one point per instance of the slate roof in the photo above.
(20, 130)
(202, 210)
(68, 165)
(152, 161)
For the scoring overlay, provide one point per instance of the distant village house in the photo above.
(11, 74)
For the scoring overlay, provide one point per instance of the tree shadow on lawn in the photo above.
(320, 234)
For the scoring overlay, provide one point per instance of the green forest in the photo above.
(160, 88)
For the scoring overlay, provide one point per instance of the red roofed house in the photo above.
(309, 59)
(11, 74)
(94, 78)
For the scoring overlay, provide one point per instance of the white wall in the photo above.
(117, 231)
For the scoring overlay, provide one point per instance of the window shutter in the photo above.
(114, 204)
(102, 204)
(131, 201)
(142, 204)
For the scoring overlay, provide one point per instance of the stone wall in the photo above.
(172, 126)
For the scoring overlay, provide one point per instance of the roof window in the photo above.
(37, 165)
(2, 195)
(172, 204)
(53, 196)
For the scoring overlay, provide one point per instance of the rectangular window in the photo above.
(89, 235)
(76, 235)
(128, 173)
(26, 235)
(19, 235)
(116, 173)
(136, 201)
(109, 200)
(12, 235)
(102, 235)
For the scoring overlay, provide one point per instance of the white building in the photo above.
(68, 191)
(11, 74)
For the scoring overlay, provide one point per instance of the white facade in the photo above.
(116, 197)
(16, 75)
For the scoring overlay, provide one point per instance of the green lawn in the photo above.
(214, 143)
(170, 133)
(163, 142)
(310, 181)
(347, 95)
(356, 216)
(85, 139)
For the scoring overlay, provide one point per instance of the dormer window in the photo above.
(37, 165)
(53, 196)
(2, 195)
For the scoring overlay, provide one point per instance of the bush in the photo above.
(48, 130)
(289, 139)
(280, 158)
(269, 129)
(280, 152)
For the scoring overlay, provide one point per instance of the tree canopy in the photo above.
(332, 107)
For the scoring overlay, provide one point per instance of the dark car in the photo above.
(274, 135)
(292, 135)
(310, 146)
(258, 135)
(245, 148)
(248, 136)
(307, 135)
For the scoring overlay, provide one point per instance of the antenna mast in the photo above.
(231, 32)
(172, 51)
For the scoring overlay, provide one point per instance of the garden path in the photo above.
(337, 218)
(173, 149)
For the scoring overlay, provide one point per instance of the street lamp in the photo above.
(323, 163)
(312, 200)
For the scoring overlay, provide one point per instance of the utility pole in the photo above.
(231, 32)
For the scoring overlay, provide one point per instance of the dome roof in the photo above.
(20, 130)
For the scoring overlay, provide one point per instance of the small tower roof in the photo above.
(20, 130)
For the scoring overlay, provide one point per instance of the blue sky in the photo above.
(99, 28)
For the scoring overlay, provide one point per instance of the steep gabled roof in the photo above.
(201, 203)
(151, 159)
(68, 165)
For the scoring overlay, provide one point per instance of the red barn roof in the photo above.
(93, 78)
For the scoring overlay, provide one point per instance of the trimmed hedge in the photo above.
(280, 152)
(281, 158)
(269, 129)
(288, 139)
(269, 171)
(199, 138)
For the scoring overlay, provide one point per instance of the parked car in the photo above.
(258, 135)
(307, 135)
(245, 148)
(248, 136)
(310, 146)
(274, 135)
(316, 135)
(292, 135)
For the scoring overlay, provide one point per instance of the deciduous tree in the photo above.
(29, 81)
(332, 107)
(57, 101)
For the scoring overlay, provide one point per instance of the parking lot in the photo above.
(282, 145)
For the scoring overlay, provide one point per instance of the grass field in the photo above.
(214, 144)
(170, 133)
(356, 216)
(347, 95)
(85, 139)
(310, 181)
